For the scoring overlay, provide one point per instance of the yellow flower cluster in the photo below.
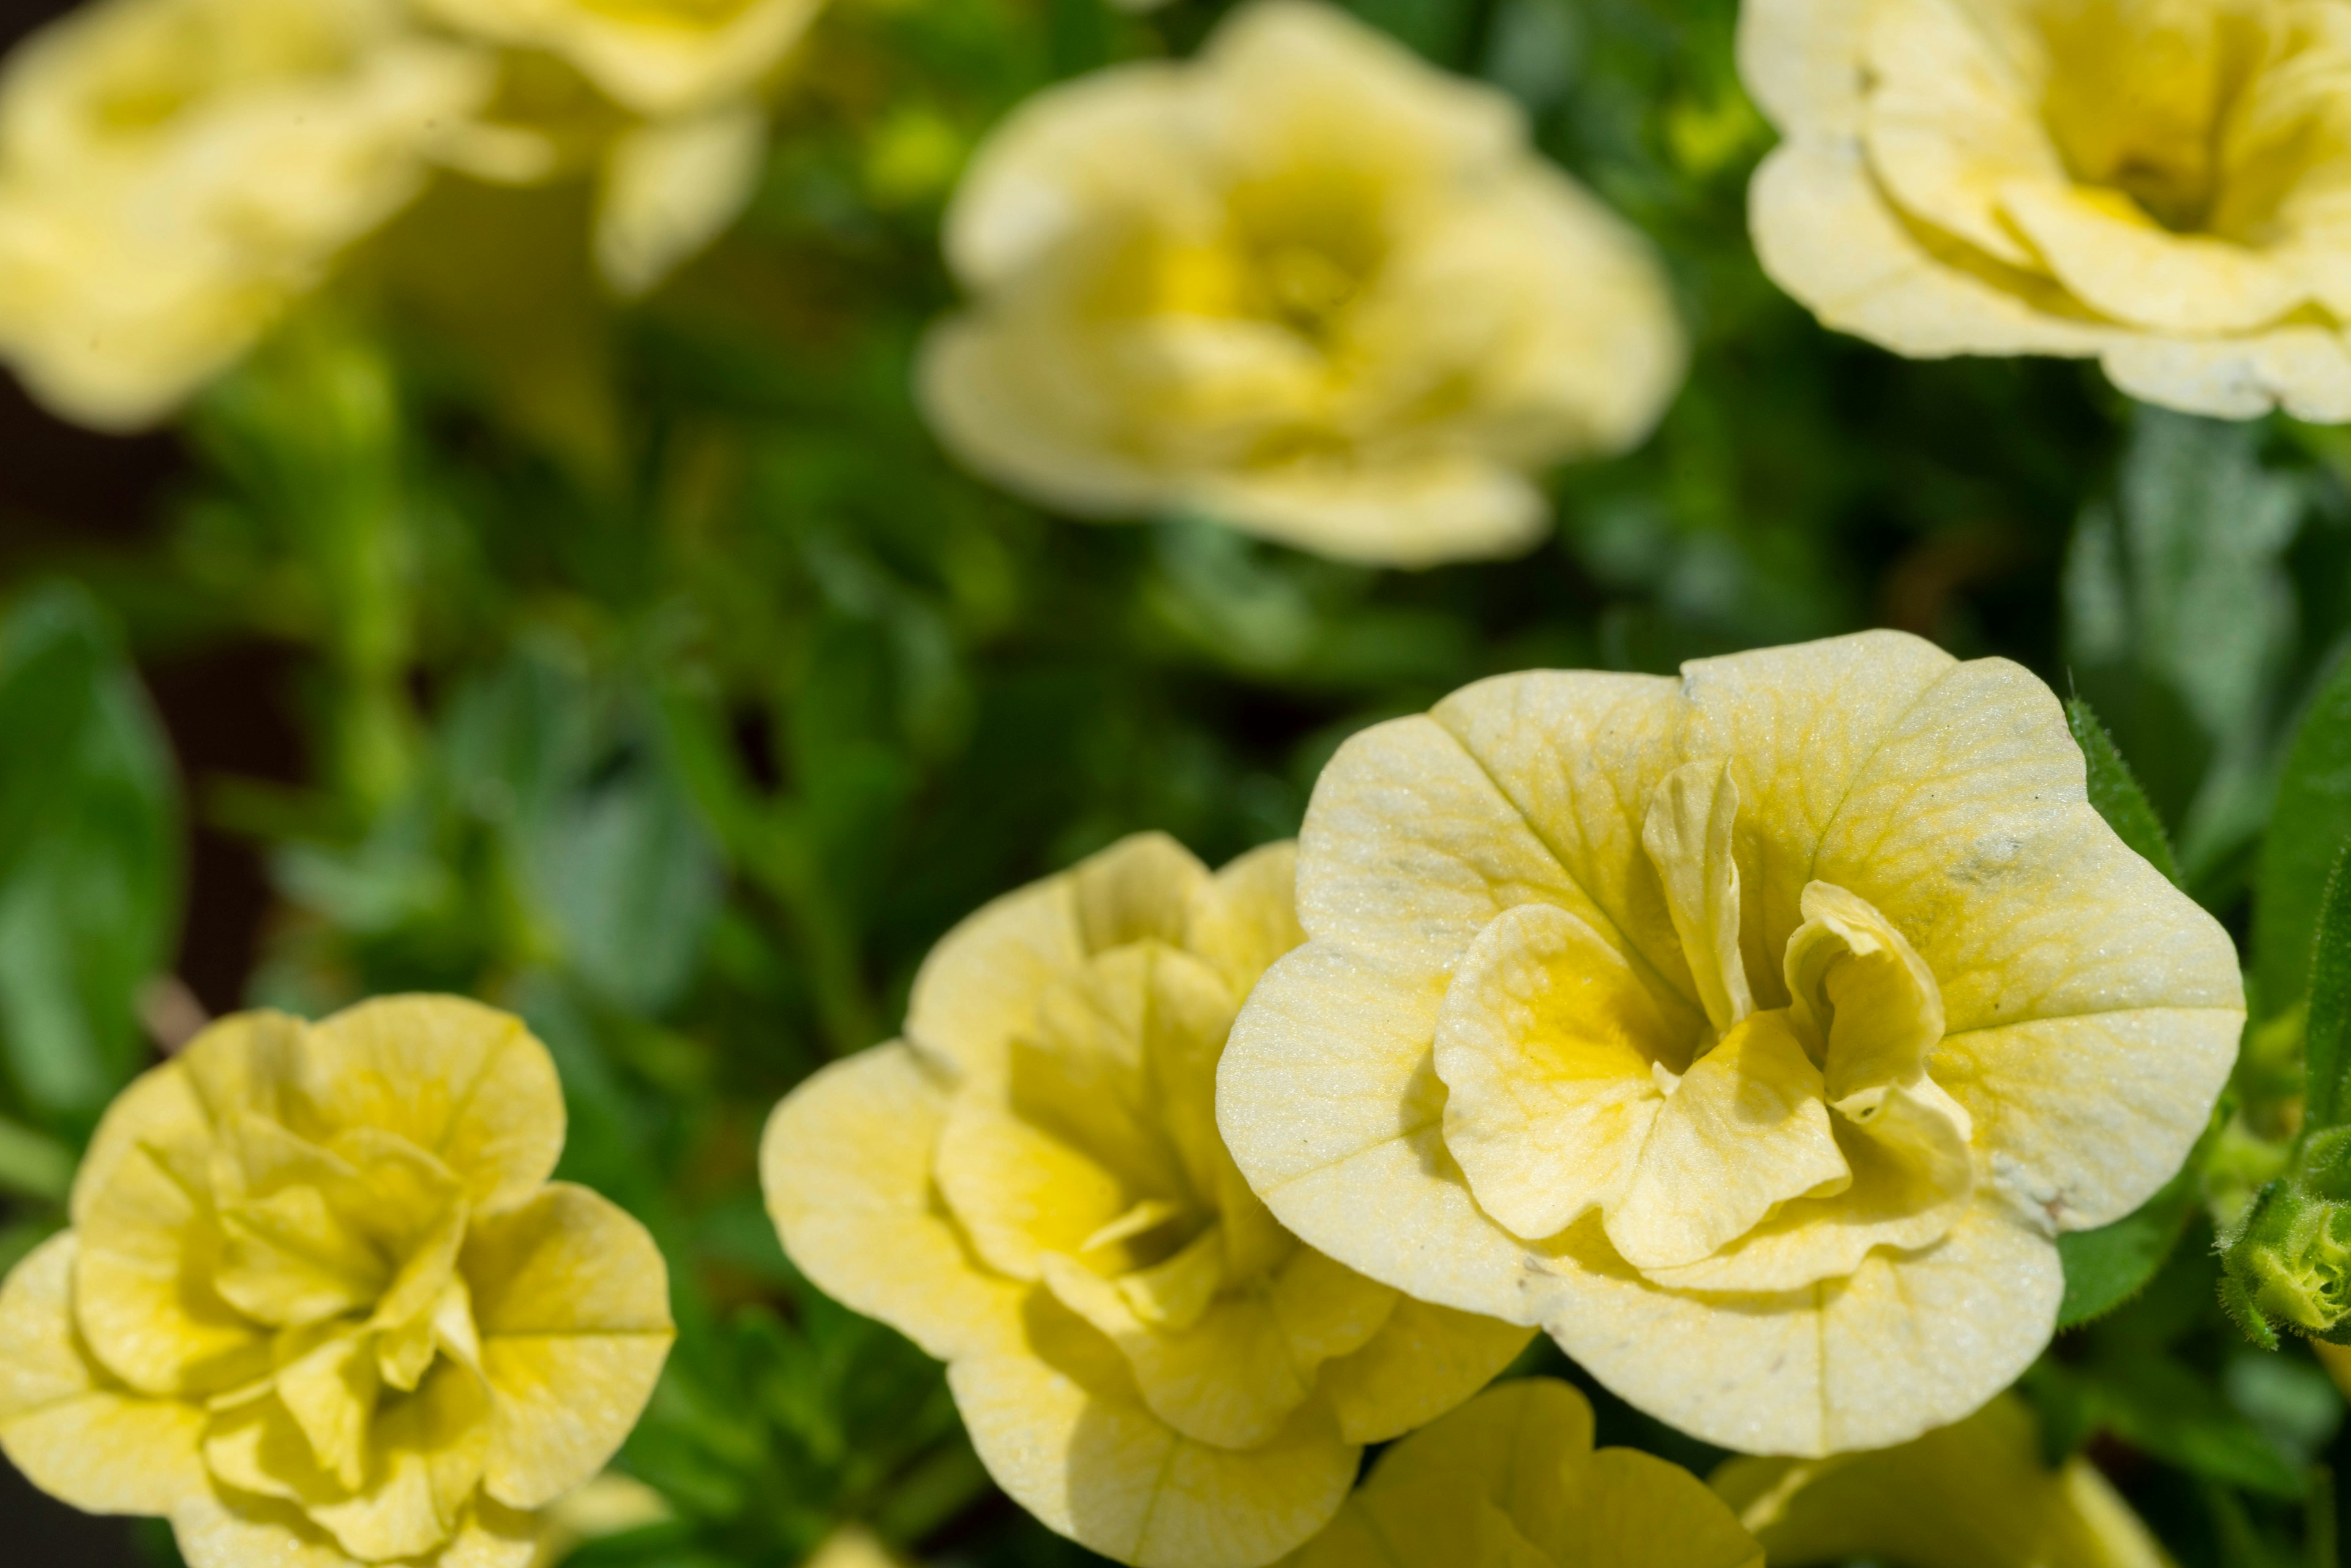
(659, 98)
(2156, 183)
(1030, 1187)
(320, 1305)
(1302, 284)
(1755, 1032)
(1512, 1481)
(176, 174)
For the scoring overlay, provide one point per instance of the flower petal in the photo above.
(1018, 1192)
(1913, 1174)
(1235, 1376)
(74, 1431)
(1971, 1495)
(1687, 831)
(1636, 1510)
(1862, 991)
(1970, 831)
(2123, 263)
(673, 186)
(1059, 1427)
(213, 1533)
(1546, 1046)
(846, 1166)
(571, 1298)
(979, 986)
(1801, 62)
(466, 1082)
(148, 1241)
(1329, 1101)
(1424, 1361)
(1903, 1344)
(2307, 371)
(1954, 115)
(1744, 1131)
(1826, 234)
(1247, 915)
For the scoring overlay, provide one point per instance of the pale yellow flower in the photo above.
(321, 1306)
(2162, 184)
(1304, 284)
(175, 174)
(656, 58)
(683, 153)
(1755, 1032)
(1512, 1481)
(1030, 1187)
(1974, 1495)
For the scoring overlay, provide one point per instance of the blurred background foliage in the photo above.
(649, 671)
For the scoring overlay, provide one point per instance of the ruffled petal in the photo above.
(846, 1166)
(571, 1301)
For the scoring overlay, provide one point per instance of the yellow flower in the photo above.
(684, 77)
(1975, 1495)
(174, 173)
(656, 58)
(1754, 1032)
(1511, 1480)
(2157, 182)
(321, 1306)
(1305, 284)
(1030, 1187)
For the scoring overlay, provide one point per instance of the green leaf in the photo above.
(89, 855)
(2330, 1003)
(2311, 817)
(2114, 791)
(33, 1164)
(2108, 1266)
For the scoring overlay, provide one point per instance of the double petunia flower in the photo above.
(320, 1305)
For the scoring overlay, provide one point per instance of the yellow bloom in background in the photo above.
(1755, 1032)
(1511, 1480)
(2159, 185)
(1030, 1187)
(682, 79)
(175, 174)
(1974, 1495)
(1304, 284)
(321, 1306)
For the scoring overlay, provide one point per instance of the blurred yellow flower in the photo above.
(655, 59)
(2158, 185)
(688, 133)
(1974, 1495)
(321, 1306)
(174, 173)
(1511, 1480)
(612, 1504)
(1754, 1032)
(1305, 284)
(1030, 1187)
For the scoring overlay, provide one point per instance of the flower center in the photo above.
(348, 1249)
(2203, 116)
(1777, 1147)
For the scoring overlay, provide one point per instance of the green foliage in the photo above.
(2108, 1266)
(654, 674)
(89, 865)
(2115, 792)
(2329, 1016)
(2310, 822)
(2180, 621)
